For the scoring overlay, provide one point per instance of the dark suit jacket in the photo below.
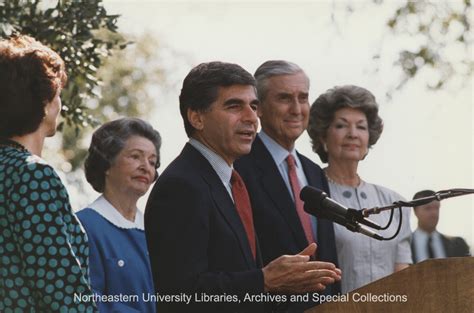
(196, 241)
(453, 247)
(279, 229)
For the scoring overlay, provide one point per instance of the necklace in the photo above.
(337, 183)
(4, 142)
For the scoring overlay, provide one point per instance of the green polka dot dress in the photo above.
(43, 249)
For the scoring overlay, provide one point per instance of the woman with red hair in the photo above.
(43, 248)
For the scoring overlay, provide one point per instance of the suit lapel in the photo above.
(223, 201)
(276, 190)
(313, 176)
(447, 246)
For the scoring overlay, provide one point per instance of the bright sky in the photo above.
(428, 137)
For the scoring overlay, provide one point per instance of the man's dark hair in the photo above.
(423, 194)
(201, 87)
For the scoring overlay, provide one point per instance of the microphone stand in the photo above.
(360, 216)
(440, 195)
(352, 218)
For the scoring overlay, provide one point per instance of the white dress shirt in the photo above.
(420, 243)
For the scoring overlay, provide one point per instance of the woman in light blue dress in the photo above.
(122, 164)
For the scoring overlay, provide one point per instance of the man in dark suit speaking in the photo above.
(274, 172)
(198, 219)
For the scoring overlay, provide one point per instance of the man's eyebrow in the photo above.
(232, 101)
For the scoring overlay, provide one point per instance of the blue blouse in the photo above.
(119, 262)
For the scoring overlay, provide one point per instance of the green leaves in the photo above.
(79, 32)
(442, 27)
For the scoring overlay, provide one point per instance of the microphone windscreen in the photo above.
(312, 195)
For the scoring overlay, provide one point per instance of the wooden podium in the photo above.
(440, 285)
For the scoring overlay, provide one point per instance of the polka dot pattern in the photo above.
(43, 249)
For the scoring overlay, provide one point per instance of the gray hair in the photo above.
(324, 108)
(270, 69)
(109, 140)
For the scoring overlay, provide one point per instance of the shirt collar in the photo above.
(223, 170)
(425, 235)
(110, 213)
(278, 153)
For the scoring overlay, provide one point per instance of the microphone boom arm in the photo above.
(440, 195)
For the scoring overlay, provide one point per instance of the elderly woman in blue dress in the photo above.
(343, 125)
(122, 164)
(43, 249)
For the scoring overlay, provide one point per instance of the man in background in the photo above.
(427, 242)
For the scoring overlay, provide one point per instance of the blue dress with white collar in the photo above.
(119, 263)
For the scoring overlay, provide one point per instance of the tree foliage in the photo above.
(433, 40)
(105, 81)
(130, 85)
(80, 32)
(444, 40)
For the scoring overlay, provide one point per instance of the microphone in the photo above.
(317, 203)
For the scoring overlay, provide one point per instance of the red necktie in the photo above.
(244, 208)
(295, 187)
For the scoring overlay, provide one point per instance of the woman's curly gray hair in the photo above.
(324, 108)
